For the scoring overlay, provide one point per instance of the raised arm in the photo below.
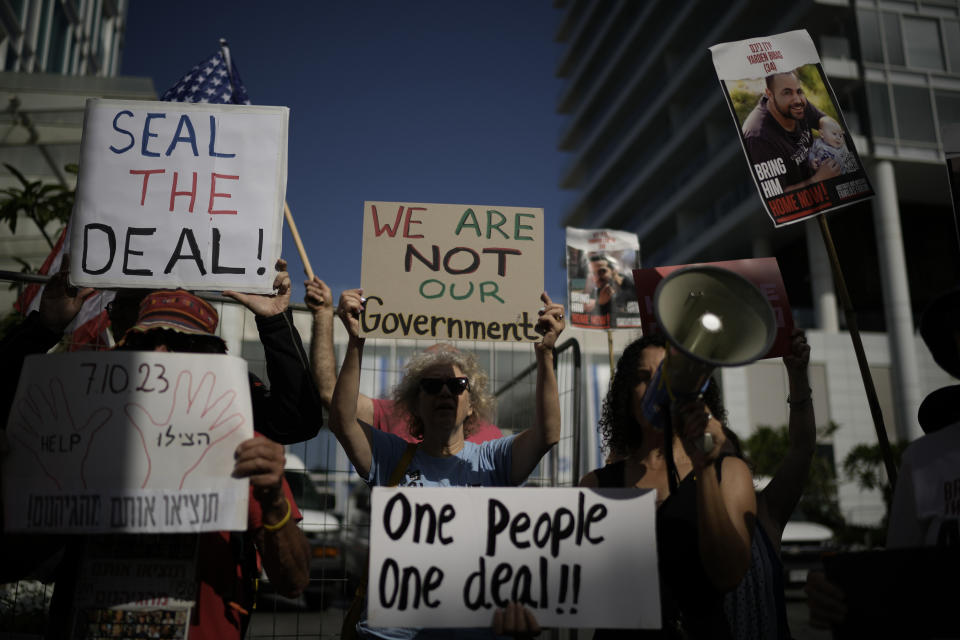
(290, 410)
(531, 445)
(283, 547)
(353, 437)
(780, 497)
(319, 299)
(727, 509)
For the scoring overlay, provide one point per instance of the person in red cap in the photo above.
(379, 413)
(227, 563)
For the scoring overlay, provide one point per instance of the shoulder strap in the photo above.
(402, 464)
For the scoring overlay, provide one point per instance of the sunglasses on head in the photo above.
(456, 385)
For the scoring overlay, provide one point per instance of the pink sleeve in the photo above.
(485, 431)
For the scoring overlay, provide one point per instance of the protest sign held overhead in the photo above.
(451, 272)
(599, 284)
(798, 147)
(763, 273)
(179, 195)
(446, 557)
(127, 442)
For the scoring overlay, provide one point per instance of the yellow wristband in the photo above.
(283, 522)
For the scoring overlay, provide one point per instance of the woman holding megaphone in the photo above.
(704, 524)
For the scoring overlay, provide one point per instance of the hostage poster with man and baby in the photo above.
(801, 155)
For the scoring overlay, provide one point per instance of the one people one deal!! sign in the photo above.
(447, 557)
(127, 442)
(175, 194)
(451, 272)
(798, 147)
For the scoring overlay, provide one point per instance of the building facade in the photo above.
(54, 55)
(653, 150)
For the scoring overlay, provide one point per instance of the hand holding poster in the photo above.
(599, 284)
(446, 557)
(451, 272)
(127, 441)
(173, 195)
(797, 144)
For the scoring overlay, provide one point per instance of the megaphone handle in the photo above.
(706, 442)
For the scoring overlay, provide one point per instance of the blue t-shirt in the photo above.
(476, 465)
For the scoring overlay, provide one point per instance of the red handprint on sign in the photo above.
(198, 419)
(43, 423)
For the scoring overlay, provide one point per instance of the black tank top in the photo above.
(690, 606)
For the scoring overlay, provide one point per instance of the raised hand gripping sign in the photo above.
(451, 272)
(447, 557)
(127, 442)
(175, 194)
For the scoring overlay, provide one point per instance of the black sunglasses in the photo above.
(456, 385)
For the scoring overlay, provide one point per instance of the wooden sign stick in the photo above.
(296, 240)
(854, 330)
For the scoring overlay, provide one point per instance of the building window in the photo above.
(893, 39)
(948, 106)
(869, 27)
(59, 40)
(914, 114)
(922, 37)
(881, 120)
(951, 38)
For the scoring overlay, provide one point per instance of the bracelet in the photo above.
(283, 522)
(799, 403)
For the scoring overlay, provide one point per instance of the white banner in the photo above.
(451, 272)
(175, 194)
(127, 441)
(446, 557)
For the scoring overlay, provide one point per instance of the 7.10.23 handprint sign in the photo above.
(127, 442)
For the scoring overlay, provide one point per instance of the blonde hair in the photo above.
(406, 395)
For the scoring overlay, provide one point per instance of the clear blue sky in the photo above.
(419, 101)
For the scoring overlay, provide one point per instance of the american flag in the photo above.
(215, 80)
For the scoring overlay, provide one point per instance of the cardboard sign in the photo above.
(175, 194)
(764, 273)
(798, 147)
(600, 287)
(451, 272)
(446, 557)
(127, 441)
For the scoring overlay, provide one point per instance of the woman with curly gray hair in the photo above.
(443, 391)
(407, 392)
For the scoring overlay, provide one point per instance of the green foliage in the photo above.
(767, 447)
(40, 203)
(743, 102)
(864, 465)
(816, 90)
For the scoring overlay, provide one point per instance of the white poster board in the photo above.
(799, 150)
(127, 442)
(451, 272)
(175, 194)
(600, 264)
(574, 557)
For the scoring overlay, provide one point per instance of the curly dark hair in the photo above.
(620, 431)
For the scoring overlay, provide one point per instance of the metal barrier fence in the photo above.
(334, 499)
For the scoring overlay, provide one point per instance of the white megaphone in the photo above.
(711, 318)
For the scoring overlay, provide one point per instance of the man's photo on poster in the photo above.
(792, 131)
